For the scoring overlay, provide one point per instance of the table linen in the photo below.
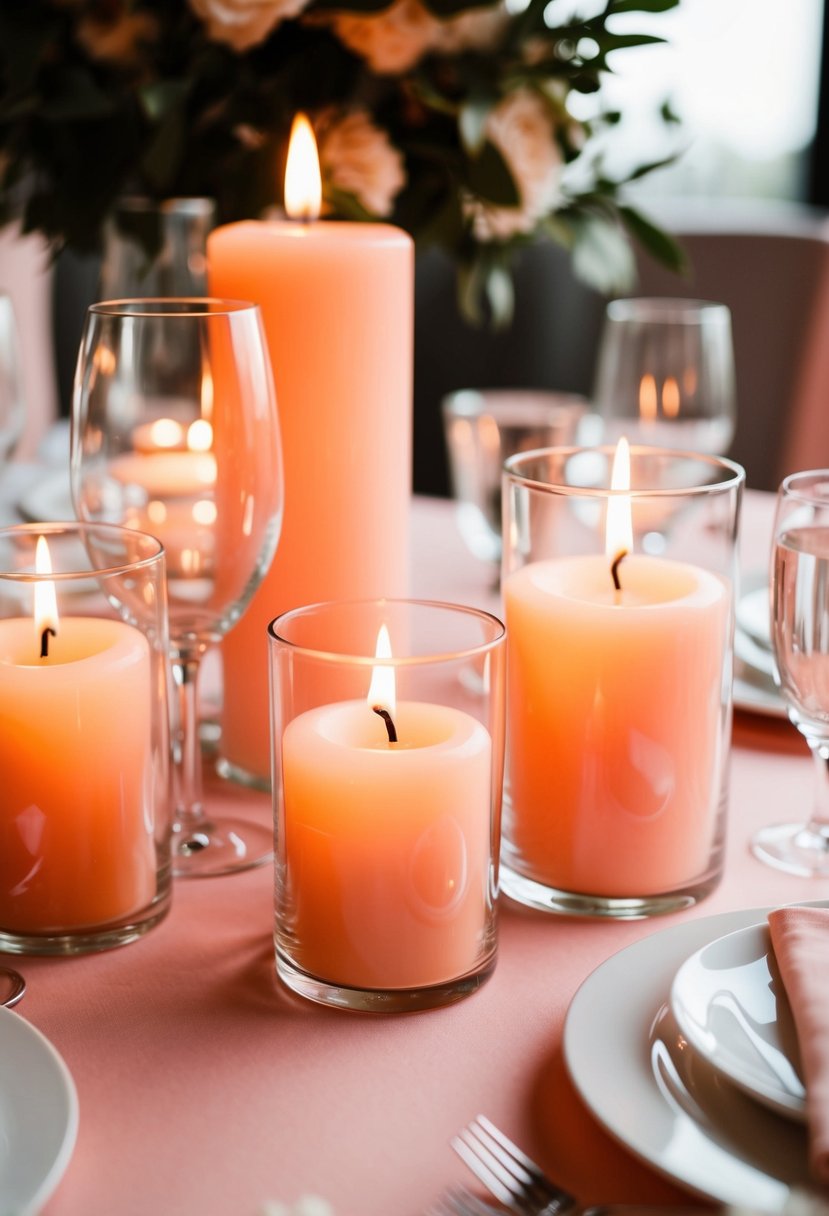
(205, 1088)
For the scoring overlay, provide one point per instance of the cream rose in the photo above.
(242, 24)
(392, 41)
(358, 158)
(522, 129)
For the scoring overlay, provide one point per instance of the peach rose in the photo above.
(358, 158)
(242, 24)
(522, 129)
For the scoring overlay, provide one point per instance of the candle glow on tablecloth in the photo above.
(384, 847)
(337, 306)
(76, 830)
(614, 709)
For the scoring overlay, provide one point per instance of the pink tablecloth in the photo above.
(205, 1088)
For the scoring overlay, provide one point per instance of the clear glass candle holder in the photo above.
(387, 778)
(619, 606)
(84, 747)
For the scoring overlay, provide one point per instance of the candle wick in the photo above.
(614, 569)
(386, 716)
(44, 641)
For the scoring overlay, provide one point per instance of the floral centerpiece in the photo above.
(448, 117)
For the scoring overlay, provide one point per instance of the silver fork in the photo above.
(508, 1173)
(458, 1201)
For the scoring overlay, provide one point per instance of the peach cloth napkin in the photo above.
(800, 937)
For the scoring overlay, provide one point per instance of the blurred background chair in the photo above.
(768, 262)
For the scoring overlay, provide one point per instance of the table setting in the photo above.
(363, 851)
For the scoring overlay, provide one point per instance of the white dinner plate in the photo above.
(752, 611)
(730, 1003)
(657, 1096)
(38, 1116)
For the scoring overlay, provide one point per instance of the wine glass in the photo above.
(175, 432)
(800, 643)
(665, 374)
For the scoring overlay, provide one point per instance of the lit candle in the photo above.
(386, 839)
(76, 830)
(614, 715)
(165, 473)
(337, 306)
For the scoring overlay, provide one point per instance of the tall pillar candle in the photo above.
(337, 306)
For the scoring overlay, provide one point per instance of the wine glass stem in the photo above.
(190, 811)
(819, 824)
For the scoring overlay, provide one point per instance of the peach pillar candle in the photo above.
(386, 845)
(337, 304)
(614, 702)
(76, 830)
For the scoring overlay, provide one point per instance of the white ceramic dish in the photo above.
(38, 1116)
(658, 1097)
(730, 1003)
(752, 612)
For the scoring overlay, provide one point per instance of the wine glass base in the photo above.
(793, 847)
(225, 846)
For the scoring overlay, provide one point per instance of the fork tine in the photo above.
(508, 1173)
(498, 1184)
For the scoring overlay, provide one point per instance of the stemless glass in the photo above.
(665, 374)
(800, 643)
(175, 432)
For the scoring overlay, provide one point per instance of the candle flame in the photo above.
(382, 692)
(619, 527)
(303, 184)
(46, 604)
(200, 436)
(166, 433)
(670, 397)
(647, 398)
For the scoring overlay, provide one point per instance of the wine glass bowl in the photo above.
(665, 374)
(800, 645)
(175, 433)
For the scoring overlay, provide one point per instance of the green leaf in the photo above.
(78, 97)
(602, 256)
(161, 96)
(640, 6)
(500, 294)
(658, 243)
(489, 178)
(472, 121)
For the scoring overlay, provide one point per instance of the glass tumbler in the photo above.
(84, 747)
(619, 590)
(387, 779)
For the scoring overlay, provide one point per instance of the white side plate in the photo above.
(38, 1116)
(657, 1096)
(730, 1003)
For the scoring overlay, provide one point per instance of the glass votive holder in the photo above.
(619, 607)
(387, 779)
(84, 745)
(482, 428)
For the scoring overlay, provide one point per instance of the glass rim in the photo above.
(511, 470)
(789, 483)
(79, 527)
(171, 306)
(395, 661)
(665, 308)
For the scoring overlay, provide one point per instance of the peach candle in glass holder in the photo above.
(619, 593)
(387, 780)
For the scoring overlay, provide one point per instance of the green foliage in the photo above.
(101, 98)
